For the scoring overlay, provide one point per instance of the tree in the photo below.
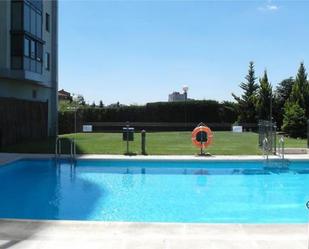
(294, 120)
(301, 90)
(247, 101)
(282, 94)
(93, 104)
(283, 91)
(264, 100)
(101, 105)
(80, 100)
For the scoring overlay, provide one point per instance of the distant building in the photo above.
(177, 96)
(64, 95)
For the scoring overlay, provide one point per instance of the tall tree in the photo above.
(282, 94)
(296, 109)
(294, 119)
(247, 102)
(283, 90)
(300, 90)
(264, 99)
(101, 105)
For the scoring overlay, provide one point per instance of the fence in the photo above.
(67, 125)
(267, 129)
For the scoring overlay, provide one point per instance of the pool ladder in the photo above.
(265, 148)
(58, 149)
(281, 148)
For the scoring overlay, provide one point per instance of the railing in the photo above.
(265, 148)
(58, 149)
(281, 147)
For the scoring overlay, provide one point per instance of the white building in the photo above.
(177, 96)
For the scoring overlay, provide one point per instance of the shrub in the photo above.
(294, 120)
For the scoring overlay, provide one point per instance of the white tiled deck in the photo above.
(9, 157)
(117, 235)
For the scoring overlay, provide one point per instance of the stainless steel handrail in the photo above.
(58, 149)
(265, 148)
(281, 147)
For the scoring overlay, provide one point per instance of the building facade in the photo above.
(29, 67)
(176, 96)
(64, 95)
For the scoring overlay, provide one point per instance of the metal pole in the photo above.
(186, 111)
(143, 134)
(308, 133)
(128, 137)
(75, 114)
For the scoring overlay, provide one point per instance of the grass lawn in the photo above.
(157, 143)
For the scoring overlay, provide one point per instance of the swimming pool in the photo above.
(156, 191)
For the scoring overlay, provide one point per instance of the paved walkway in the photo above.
(9, 157)
(17, 234)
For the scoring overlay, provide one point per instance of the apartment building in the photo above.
(28, 69)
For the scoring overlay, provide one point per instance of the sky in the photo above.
(136, 52)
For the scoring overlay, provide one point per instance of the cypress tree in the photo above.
(247, 102)
(282, 94)
(296, 109)
(264, 101)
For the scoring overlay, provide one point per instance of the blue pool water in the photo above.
(154, 191)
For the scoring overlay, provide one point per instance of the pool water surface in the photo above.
(156, 191)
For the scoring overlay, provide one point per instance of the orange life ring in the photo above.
(197, 136)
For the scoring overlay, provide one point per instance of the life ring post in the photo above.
(202, 138)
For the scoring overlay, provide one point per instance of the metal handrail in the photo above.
(281, 147)
(58, 147)
(265, 148)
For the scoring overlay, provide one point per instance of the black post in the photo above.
(308, 133)
(128, 125)
(275, 138)
(143, 144)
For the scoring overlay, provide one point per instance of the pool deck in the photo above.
(10, 157)
(126, 235)
(26, 234)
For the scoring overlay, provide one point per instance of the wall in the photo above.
(22, 120)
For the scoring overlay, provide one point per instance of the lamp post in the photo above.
(185, 89)
(74, 108)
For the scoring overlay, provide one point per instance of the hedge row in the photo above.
(208, 111)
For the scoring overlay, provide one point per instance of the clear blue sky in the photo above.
(140, 51)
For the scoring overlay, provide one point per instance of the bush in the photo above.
(208, 111)
(294, 120)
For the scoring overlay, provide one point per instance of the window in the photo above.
(27, 19)
(34, 94)
(37, 4)
(16, 45)
(47, 61)
(39, 51)
(38, 25)
(16, 51)
(47, 22)
(32, 47)
(33, 22)
(26, 35)
(27, 63)
(16, 16)
(26, 47)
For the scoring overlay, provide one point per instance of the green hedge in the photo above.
(208, 111)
